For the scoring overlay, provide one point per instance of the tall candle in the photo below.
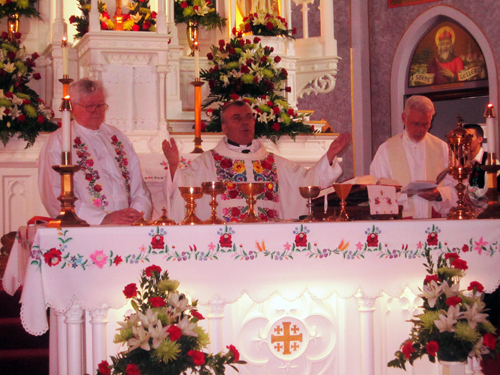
(490, 129)
(66, 128)
(196, 62)
(64, 46)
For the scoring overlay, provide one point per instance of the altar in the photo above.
(346, 288)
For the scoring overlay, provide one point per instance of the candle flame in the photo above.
(66, 97)
(64, 42)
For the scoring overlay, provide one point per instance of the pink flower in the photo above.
(480, 245)
(99, 258)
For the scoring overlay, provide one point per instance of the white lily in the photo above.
(140, 339)
(9, 67)
(432, 292)
(474, 315)
(17, 100)
(2, 112)
(479, 349)
(179, 304)
(148, 319)
(448, 319)
(187, 327)
(451, 291)
(158, 333)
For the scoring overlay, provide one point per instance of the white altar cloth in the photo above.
(91, 266)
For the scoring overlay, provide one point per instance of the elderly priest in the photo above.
(240, 158)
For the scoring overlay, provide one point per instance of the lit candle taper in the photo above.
(66, 124)
(64, 47)
(489, 113)
(196, 61)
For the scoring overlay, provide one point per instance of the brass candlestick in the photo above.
(251, 189)
(493, 209)
(460, 166)
(118, 16)
(309, 192)
(190, 194)
(66, 81)
(163, 220)
(213, 189)
(197, 116)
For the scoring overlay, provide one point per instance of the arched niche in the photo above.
(405, 49)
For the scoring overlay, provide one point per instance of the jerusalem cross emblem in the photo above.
(287, 339)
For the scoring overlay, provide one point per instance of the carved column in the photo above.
(95, 72)
(162, 76)
(74, 321)
(59, 26)
(98, 321)
(94, 23)
(366, 309)
(215, 315)
(161, 19)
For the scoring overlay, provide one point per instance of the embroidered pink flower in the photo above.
(99, 258)
(479, 245)
(97, 203)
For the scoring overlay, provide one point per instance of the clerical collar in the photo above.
(238, 145)
(246, 149)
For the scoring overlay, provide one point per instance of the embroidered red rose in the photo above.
(476, 285)
(132, 369)
(196, 314)
(225, 240)
(490, 341)
(198, 357)
(174, 332)
(269, 195)
(235, 352)
(52, 257)
(301, 240)
(235, 212)
(77, 141)
(157, 301)
(432, 239)
(98, 188)
(453, 301)
(266, 165)
(432, 348)
(157, 242)
(233, 194)
(372, 240)
(154, 268)
(465, 248)
(408, 349)
(460, 264)
(130, 290)
(104, 368)
(226, 163)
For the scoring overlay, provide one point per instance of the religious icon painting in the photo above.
(446, 55)
(400, 3)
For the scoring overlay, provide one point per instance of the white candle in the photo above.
(65, 51)
(66, 129)
(490, 133)
(325, 204)
(196, 62)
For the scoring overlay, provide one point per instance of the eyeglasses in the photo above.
(93, 107)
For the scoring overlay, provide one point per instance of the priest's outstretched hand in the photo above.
(338, 145)
(171, 152)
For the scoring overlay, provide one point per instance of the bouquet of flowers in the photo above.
(201, 12)
(21, 7)
(162, 335)
(453, 325)
(21, 109)
(244, 69)
(265, 24)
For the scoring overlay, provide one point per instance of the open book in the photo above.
(416, 186)
(363, 180)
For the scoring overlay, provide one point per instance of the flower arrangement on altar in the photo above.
(453, 325)
(25, 8)
(201, 12)
(21, 109)
(139, 18)
(243, 69)
(162, 335)
(264, 24)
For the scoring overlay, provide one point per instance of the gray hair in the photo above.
(85, 87)
(419, 103)
(237, 103)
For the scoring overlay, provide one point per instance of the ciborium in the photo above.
(460, 167)
(342, 191)
(251, 189)
(163, 220)
(190, 194)
(309, 192)
(214, 188)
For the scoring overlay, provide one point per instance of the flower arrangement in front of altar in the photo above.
(453, 325)
(162, 335)
(139, 18)
(21, 110)
(25, 8)
(264, 24)
(243, 69)
(201, 12)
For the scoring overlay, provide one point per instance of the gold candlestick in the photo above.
(197, 116)
(118, 16)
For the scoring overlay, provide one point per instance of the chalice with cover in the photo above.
(309, 192)
(190, 194)
(251, 189)
(214, 188)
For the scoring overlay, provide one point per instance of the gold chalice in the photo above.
(163, 220)
(309, 192)
(251, 189)
(214, 188)
(342, 191)
(190, 194)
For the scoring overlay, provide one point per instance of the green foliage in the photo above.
(200, 11)
(25, 8)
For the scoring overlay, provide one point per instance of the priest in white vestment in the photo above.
(241, 158)
(417, 155)
(109, 186)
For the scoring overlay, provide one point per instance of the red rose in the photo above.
(225, 240)
(231, 51)
(465, 248)
(276, 110)
(37, 76)
(234, 96)
(452, 256)
(269, 195)
(284, 72)
(149, 270)
(157, 242)
(196, 7)
(184, 5)
(301, 240)
(277, 59)
(222, 43)
(104, 26)
(263, 59)
(294, 31)
(226, 163)
(235, 352)
(490, 341)
(153, 15)
(248, 27)
(196, 314)
(9, 95)
(234, 31)
(289, 89)
(453, 301)
(104, 368)
(210, 56)
(157, 301)
(432, 239)
(372, 240)
(132, 370)
(430, 278)
(198, 357)
(269, 25)
(476, 285)
(460, 264)
(40, 119)
(241, 42)
(17, 35)
(98, 188)
(118, 260)
(266, 165)
(256, 39)
(5, 35)
(146, 25)
(130, 290)
(77, 141)
(21, 118)
(276, 127)
(88, 177)
(136, 27)
(408, 349)
(174, 332)
(11, 55)
(244, 69)
(432, 348)
(52, 257)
